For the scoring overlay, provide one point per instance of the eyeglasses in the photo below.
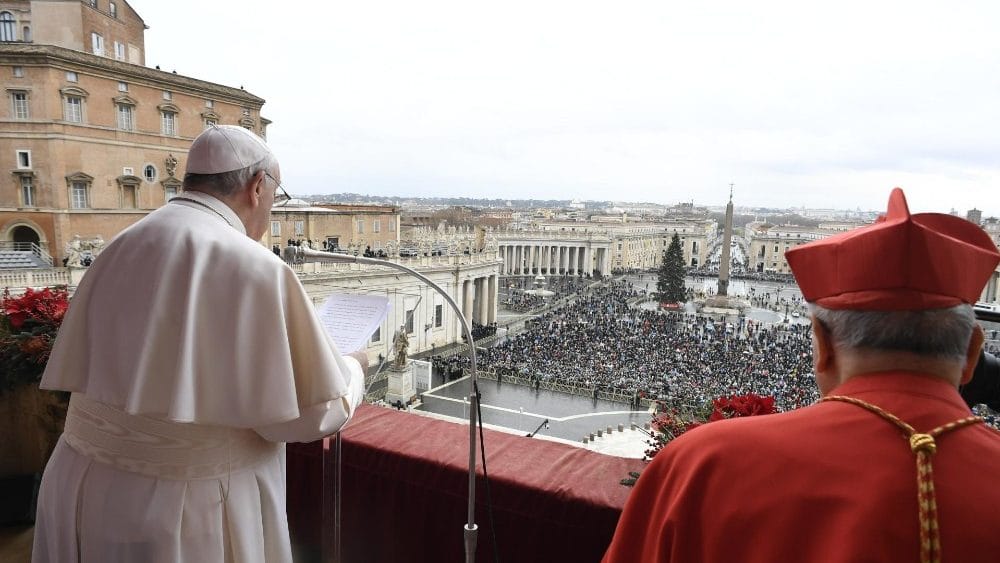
(280, 187)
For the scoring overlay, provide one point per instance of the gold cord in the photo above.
(924, 446)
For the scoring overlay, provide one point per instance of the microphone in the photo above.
(298, 254)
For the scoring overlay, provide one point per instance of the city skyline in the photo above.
(639, 102)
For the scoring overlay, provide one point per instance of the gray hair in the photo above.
(935, 333)
(225, 183)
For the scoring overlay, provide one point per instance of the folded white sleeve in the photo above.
(321, 420)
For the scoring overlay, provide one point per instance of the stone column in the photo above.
(491, 316)
(531, 259)
(467, 300)
(484, 299)
(588, 260)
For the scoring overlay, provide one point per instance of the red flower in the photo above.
(28, 327)
(670, 424)
(45, 307)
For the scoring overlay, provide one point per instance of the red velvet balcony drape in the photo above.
(405, 487)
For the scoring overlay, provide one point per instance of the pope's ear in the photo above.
(251, 191)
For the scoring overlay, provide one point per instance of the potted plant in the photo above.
(31, 419)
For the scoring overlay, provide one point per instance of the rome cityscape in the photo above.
(600, 295)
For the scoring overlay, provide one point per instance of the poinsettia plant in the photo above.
(28, 326)
(669, 423)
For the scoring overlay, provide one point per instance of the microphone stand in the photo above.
(298, 254)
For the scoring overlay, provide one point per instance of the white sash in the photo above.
(160, 448)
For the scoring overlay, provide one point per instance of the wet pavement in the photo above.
(571, 417)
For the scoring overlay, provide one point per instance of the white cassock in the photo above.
(192, 353)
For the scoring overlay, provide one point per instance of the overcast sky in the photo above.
(660, 101)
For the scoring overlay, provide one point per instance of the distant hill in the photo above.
(452, 201)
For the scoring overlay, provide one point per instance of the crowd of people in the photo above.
(483, 331)
(604, 342)
(713, 273)
(517, 300)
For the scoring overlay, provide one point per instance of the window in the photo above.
(409, 321)
(129, 196)
(376, 226)
(168, 119)
(26, 34)
(300, 228)
(275, 228)
(209, 104)
(113, 9)
(73, 109)
(123, 86)
(72, 76)
(210, 122)
(78, 196)
(27, 192)
(168, 95)
(24, 159)
(361, 225)
(19, 101)
(149, 173)
(7, 27)
(97, 43)
(438, 316)
(392, 226)
(126, 119)
(93, 3)
(171, 187)
(377, 335)
(119, 51)
(18, 72)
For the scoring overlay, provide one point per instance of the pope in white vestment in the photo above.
(193, 353)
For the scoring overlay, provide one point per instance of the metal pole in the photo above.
(470, 529)
(337, 537)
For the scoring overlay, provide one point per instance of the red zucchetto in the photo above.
(901, 262)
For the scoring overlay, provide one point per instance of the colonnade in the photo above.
(553, 259)
(478, 299)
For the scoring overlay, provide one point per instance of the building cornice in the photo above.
(24, 53)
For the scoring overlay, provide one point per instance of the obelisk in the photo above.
(727, 239)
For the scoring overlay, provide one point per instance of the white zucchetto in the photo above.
(224, 148)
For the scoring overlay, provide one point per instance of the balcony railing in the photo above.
(31, 247)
